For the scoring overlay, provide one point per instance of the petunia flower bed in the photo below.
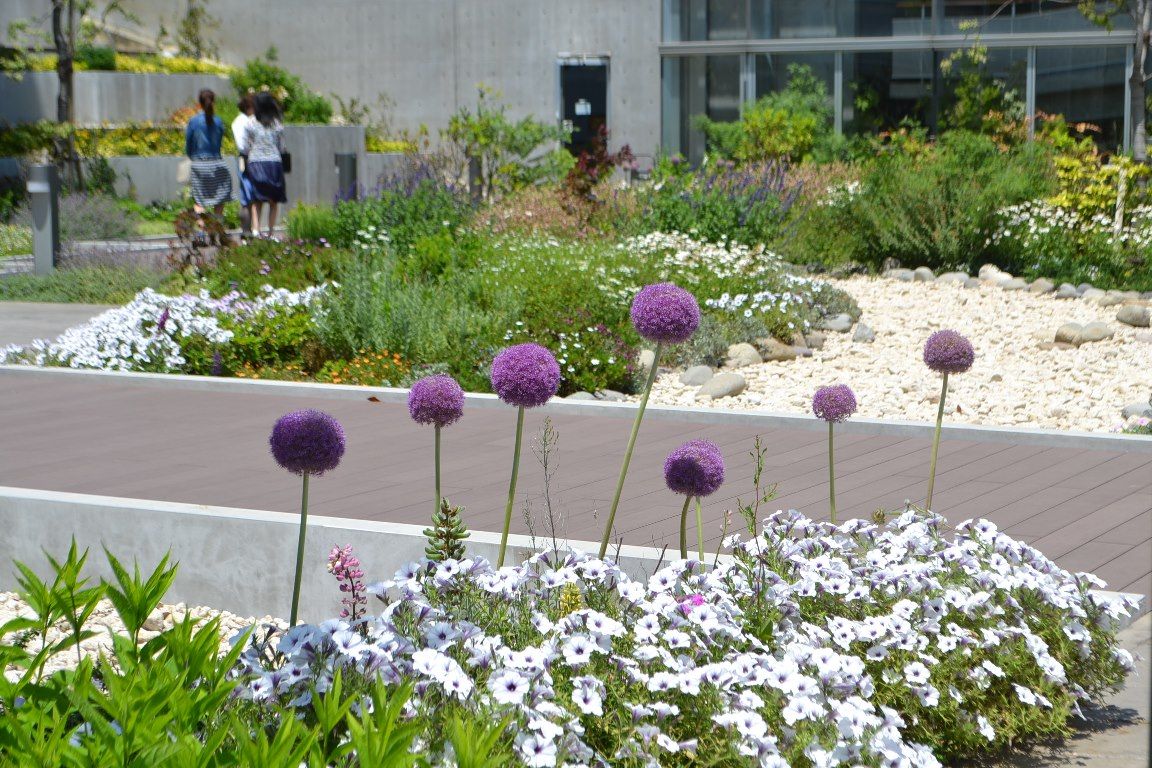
(812, 645)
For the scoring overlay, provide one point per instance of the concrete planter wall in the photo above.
(238, 560)
(105, 97)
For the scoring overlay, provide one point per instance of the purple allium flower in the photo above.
(948, 352)
(307, 441)
(436, 400)
(665, 313)
(526, 375)
(834, 403)
(695, 468)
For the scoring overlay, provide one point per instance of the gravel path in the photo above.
(104, 620)
(1013, 383)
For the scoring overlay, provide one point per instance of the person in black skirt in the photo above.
(264, 140)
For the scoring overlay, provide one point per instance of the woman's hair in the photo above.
(206, 95)
(267, 110)
(246, 103)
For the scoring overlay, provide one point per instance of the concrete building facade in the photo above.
(646, 68)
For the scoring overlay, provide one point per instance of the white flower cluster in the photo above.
(1029, 223)
(147, 334)
(839, 195)
(372, 240)
(813, 643)
(677, 254)
(764, 301)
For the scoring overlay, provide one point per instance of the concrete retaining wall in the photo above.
(105, 97)
(238, 560)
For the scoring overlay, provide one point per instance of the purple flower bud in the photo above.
(525, 375)
(163, 320)
(695, 468)
(665, 313)
(436, 400)
(948, 352)
(307, 441)
(834, 403)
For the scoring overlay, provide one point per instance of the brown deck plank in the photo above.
(1089, 509)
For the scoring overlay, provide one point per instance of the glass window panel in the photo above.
(882, 88)
(965, 93)
(1084, 85)
(1021, 16)
(774, 70)
(705, 20)
(840, 18)
(697, 85)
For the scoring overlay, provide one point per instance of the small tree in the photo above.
(1141, 13)
(192, 32)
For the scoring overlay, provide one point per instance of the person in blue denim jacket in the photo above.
(211, 179)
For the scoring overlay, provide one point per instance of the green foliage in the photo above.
(454, 319)
(81, 285)
(479, 743)
(721, 202)
(299, 102)
(139, 64)
(509, 151)
(15, 239)
(95, 57)
(312, 223)
(373, 369)
(936, 207)
(399, 215)
(978, 102)
(447, 534)
(789, 123)
(249, 267)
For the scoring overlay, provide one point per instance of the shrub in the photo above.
(81, 285)
(15, 239)
(400, 212)
(746, 204)
(299, 102)
(313, 223)
(247, 268)
(937, 207)
(95, 57)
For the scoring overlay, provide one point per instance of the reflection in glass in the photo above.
(840, 18)
(705, 20)
(882, 88)
(774, 70)
(697, 85)
(1084, 85)
(1021, 16)
(969, 91)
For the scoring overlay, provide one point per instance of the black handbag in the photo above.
(286, 161)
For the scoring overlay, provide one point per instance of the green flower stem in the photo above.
(437, 509)
(684, 528)
(628, 452)
(300, 553)
(831, 475)
(936, 441)
(699, 529)
(511, 486)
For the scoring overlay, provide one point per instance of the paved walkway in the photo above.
(23, 321)
(1089, 508)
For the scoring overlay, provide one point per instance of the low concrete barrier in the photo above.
(240, 560)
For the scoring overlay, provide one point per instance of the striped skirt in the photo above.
(211, 182)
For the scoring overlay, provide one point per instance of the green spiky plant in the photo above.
(447, 534)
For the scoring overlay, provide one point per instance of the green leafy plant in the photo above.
(447, 534)
(299, 102)
(312, 223)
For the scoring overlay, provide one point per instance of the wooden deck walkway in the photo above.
(1088, 508)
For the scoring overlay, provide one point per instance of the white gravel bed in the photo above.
(1013, 382)
(104, 621)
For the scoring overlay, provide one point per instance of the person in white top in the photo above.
(247, 106)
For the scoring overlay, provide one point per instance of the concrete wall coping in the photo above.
(766, 419)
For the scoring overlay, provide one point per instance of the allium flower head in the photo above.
(436, 400)
(834, 403)
(695, 468)
(948, 352)
(526, 375)
(307, 441)
(665, 313)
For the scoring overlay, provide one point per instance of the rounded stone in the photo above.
(923, 275)
(864, 334)
(771, 350)
(697, 375)
(1096, 332)
(1134, 315)
(1069, 333)
(1067, 291)
(1041, 285)
(958, 278)
(903, 275)
(722, 385)
(742, 355)
(841, 323)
